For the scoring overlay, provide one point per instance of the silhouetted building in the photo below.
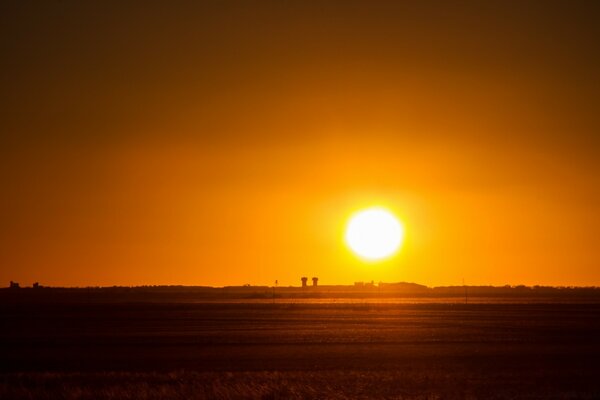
(304, 280)
(315, 281)
(36, 285)
(14, 285)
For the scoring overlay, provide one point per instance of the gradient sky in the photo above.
(224, 143)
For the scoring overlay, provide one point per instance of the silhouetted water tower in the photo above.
(315, 281)
(304, 280)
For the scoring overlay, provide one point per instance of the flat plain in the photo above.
(290, 350)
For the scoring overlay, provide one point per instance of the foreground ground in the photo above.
(279, 351)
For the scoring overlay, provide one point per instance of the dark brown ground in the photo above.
(241, 350)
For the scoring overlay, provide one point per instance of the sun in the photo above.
(374, 233)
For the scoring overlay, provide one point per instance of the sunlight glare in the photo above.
(374, 233)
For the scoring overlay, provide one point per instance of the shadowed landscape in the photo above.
(56, 344)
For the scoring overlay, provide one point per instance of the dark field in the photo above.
(281, 351)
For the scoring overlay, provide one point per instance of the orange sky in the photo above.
(227, 143)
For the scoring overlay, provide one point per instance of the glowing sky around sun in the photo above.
(219, 143)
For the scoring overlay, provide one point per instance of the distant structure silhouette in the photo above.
(14, 285)
(36, 285)
(304, 280)
(315, 281)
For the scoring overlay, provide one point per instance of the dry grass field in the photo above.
(155, 350)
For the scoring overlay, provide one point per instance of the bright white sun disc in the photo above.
(374, 233)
